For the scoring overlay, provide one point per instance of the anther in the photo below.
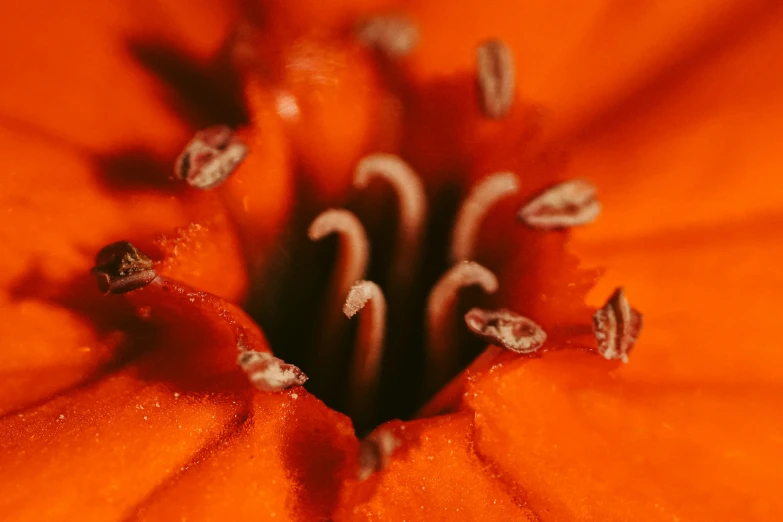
(375, 452)
(210, 157)
(617, 327)
(121, 267)
(394, 36)
(503, 330)
(496, 77)
(567, 204)
(482, 197)
(268, 373)
(506, 328)
(369, 342)
(412, 201)
(441, 312)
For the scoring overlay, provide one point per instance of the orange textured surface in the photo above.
(77, 442)
(53, 235)
(433, 475)
(284, 463)
(81, 68)
(587, 442)
(133, 407)
(195, 336)
(206, 255)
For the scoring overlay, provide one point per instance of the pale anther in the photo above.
(506, 329)
(496, 78)
(617, 326)
(268, 373)
(567, 204)
(393, 35)
(375, 451)
(210, 157)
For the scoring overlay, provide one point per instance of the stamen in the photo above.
(210, 157)
(268, 373)
(482, 197)
(354, 252)
(567, 204)
(369, 343)
(412, 203)
(495, 69)
(121, 267)
(375, 452)
(617, 327)
(354, 247)
(441, 312)
(507, 329)
(394, 36)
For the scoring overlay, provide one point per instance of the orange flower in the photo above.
(138, 406)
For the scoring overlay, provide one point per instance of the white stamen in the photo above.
(354, 246)
(369, 342)
(482, 197)
(412, 201)
(441, 313)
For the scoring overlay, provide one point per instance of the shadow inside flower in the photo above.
(201, 94)
(137, 169)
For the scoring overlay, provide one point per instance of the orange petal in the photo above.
(106, 446)
(53, 235)
(433, 475)
(207, 255)
(196, 336)
(602, 51)
(589, 443)
(75, 75)
(696, 145)
(284, 463)
(259, 194)
(38, 361)
(305, 16)
(709, 297)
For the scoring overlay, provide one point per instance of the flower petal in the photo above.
(260, 193)
(106, 446)
(129, 432)
(51, 236)
(589, 443)
(433, 475)
(285, 462)
(709, 296)
(601, 51)
(694, 146)
(75, 77)
(61, 209)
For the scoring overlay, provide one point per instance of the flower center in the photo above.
(399, 259)
(409, 338)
